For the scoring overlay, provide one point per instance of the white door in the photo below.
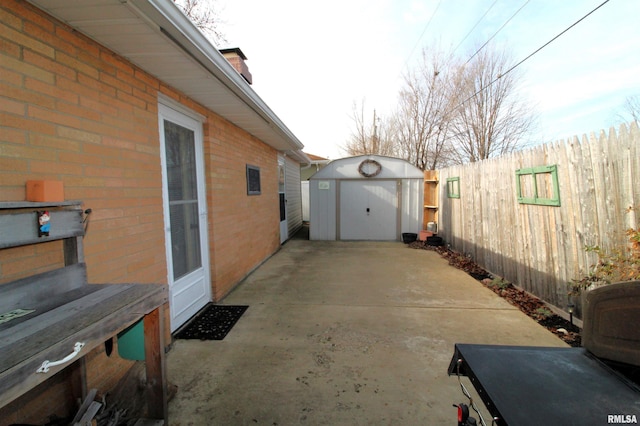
(282, 196)
(185, 214)
(369, 210)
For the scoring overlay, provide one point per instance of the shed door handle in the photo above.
(44, 368)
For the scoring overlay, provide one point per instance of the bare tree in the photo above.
(368, 137)
(422, 120)
(490, 118)
(205, 16)
(449, 113)
(630, 109)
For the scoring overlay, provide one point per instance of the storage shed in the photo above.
(366, 197)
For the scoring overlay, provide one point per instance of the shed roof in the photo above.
(348, 168)
(156, 36)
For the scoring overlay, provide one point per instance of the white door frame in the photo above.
(282, 198)
(170, 111)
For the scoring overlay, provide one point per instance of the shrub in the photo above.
(620, 264)
(543, 312)
(499, 283)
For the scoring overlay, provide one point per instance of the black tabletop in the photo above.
(547, 386)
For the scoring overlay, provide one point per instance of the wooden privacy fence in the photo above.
(528, 216)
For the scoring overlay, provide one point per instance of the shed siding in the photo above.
(322, 215)
(412, 205)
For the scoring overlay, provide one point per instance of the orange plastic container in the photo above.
(45, 190)
(422, 236)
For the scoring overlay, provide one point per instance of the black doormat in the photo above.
(212, 323)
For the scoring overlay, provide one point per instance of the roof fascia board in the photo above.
(299, 156)
(169, 20)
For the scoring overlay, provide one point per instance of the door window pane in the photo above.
(183, 199)
(181, 162)
(281, 178)
(185, 239)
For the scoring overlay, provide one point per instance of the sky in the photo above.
(313, 61)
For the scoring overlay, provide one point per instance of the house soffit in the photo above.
(157, 37)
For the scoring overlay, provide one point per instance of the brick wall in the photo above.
(42, 401)
(245, 227)
(73, 111)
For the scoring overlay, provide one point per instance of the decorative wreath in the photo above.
(365, 163)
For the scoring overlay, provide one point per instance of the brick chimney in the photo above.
(237, 59)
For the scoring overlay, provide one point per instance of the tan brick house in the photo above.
(185, 168)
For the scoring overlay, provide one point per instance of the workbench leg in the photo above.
(78, 379)
(155, 365)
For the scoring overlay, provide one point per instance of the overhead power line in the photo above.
(553, 39)
(423, 32)
(496, 33)
(474, 27)
(532, 54)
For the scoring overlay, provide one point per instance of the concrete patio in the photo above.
(343, 333)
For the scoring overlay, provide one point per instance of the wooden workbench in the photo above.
(62, 318)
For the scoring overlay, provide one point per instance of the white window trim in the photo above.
(177, 106)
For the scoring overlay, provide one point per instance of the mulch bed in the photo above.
(213, 322)
(527, 303)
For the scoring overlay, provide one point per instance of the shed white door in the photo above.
(185, 215)
(369, 210)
